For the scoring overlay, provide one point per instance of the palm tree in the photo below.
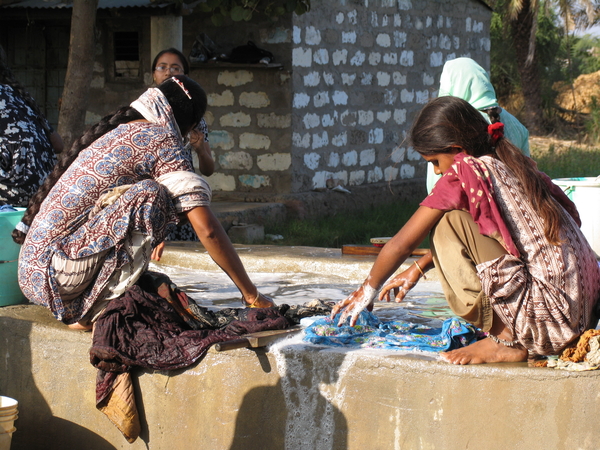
(522, 17)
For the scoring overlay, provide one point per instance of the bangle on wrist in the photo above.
(250, 304)
(420, 270)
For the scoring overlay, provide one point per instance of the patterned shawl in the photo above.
(155, 108)
(467, 186)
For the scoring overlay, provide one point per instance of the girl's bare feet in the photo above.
(485, 351)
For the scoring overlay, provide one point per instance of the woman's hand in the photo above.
(157, 252)
(400, 285)
(259, 301)
(202, 149)
(353, 305)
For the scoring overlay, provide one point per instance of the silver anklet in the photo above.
(497, 340)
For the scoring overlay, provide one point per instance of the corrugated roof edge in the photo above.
(105, 4)
(102, 4)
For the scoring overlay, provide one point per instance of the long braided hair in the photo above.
(7, 77)
(448, 122)
(187, 112)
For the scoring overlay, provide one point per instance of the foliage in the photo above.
(585, 53)
(592, 125)
(559, 57)
(504, 74)
(246, 10)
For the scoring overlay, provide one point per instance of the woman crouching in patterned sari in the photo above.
(101, 215)
(505, 241)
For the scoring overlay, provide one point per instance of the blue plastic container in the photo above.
(10, 293)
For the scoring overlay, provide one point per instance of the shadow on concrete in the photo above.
(36, 427)
(293, 413)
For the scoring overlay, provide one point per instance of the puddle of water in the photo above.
(425, 304)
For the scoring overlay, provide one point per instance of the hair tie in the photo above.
(496, 131)
(180, 84)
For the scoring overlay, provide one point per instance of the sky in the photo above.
(594, 31)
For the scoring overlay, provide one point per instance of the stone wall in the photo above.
(249, 106)
(353, 74)
(361, 70)
(249, 119)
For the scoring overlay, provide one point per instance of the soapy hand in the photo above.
(400, 285)
(353, 305)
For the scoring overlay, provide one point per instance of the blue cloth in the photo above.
(370, 332)
(7, 208)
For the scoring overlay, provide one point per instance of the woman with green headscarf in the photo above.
(464, 78)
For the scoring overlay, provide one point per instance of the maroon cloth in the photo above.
(467, 186)
(140, 329)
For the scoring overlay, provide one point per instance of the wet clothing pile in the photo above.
(370, 332)
(163, 329)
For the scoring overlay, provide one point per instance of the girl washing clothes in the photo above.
(505, 241)
(89, 232)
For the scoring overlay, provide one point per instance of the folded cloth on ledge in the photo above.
(370, 332)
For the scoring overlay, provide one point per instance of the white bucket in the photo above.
(8, 414)
(7, 424)
(6, 438)
(585, 193)
(8, 406)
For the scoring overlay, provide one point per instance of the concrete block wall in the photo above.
(361, 71)
(354, 73)
(249, 119)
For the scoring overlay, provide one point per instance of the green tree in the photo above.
(585, 54)
(522, 19)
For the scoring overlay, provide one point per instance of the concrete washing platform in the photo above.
(291, 395)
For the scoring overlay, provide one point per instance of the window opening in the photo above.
(127, 54)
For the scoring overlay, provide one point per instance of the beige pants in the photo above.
(457, 248)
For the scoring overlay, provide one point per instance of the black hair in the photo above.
(174, 51)
(187, 111)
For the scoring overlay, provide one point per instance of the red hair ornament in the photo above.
(496, 131)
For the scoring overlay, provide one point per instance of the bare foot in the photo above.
(485, 351)
(79, 326)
